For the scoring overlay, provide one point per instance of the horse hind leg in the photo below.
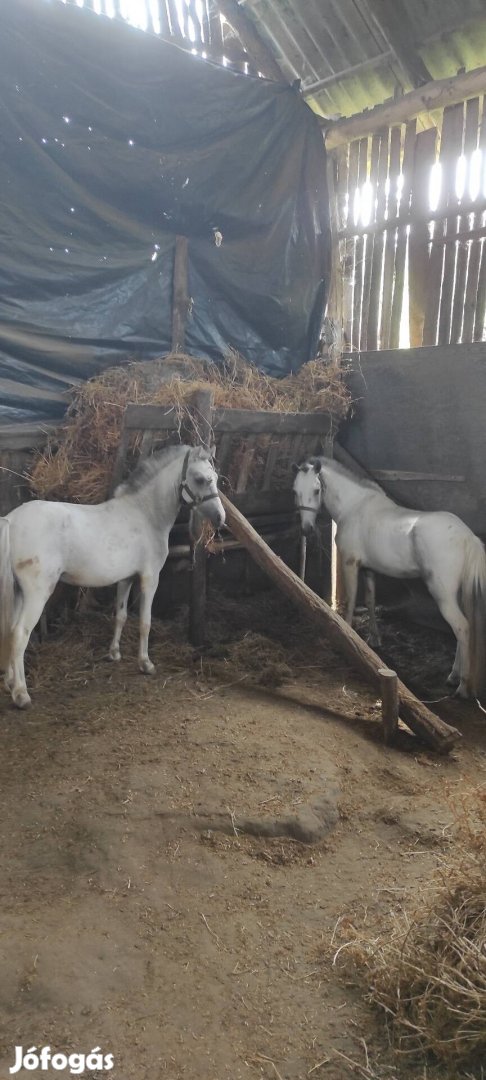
(34, 601)
(122, 595)
(451, 612)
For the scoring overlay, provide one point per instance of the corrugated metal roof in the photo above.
(345, 57)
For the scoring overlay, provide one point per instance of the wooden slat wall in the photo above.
(394, 248)
(201, 30)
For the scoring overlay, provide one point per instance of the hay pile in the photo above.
(77, 464)
(428, 970)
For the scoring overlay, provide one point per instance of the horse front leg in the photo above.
(148, 585)
(370, 596)
(350, 569)
(122, 594)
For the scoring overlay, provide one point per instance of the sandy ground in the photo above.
(157, 898)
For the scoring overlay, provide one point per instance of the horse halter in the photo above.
(194, 500)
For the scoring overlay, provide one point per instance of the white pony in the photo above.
(44, 542)
(375, 533)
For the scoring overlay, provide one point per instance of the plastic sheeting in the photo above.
(112, 142)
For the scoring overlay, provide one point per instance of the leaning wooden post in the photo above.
(434, 731)
(389, 704)
(202, 408)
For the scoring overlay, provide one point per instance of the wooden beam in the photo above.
(258, 51)
(180, 296)
(393, 21)
(434, 731)
(434, 95)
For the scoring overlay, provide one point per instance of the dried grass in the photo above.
(77, 463)
(427, 969)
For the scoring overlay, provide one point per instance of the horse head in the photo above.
(308, 490)
(199, 486)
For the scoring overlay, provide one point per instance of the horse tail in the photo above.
(7, 594)
(473, 592)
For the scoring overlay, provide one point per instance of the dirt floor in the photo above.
(181, 854)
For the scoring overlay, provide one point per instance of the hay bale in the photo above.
(427, 969)
(77, 463)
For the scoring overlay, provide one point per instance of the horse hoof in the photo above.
(146, 667)
(462, 692)
(21, 699)
(114, 654)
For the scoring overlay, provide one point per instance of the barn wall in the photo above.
(424, 411)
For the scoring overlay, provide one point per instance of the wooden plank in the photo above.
(418, 250)
(475, 253)
(119, 466)
(147, 444)
(272, 457)
(369, 243)
(400, 474)
(448, 144)
(378, 246)
(180, 297)
(337, 172)
(390, 239)
(223, 456)
(470, 142)
(435, 95)
(402, 234)
(479, 318)
(359, 251)
(245, 465)
(150, 418)
(26, 436)
(431, 728)
(163, 18)
(451, 149)
(349, 246)
(250, 422)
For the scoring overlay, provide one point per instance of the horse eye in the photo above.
(199, 480)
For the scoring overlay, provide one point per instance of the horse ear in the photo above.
(317, 467)
(212, 450)
(295, 468)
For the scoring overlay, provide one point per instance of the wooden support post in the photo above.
(434, 731)
(180, 298)
(389, 704)
(202, 406)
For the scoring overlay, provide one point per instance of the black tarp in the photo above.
(112, 142)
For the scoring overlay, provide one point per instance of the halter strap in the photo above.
(194, 500)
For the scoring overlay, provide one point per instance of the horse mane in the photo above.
(341, 470)
(151, 466)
